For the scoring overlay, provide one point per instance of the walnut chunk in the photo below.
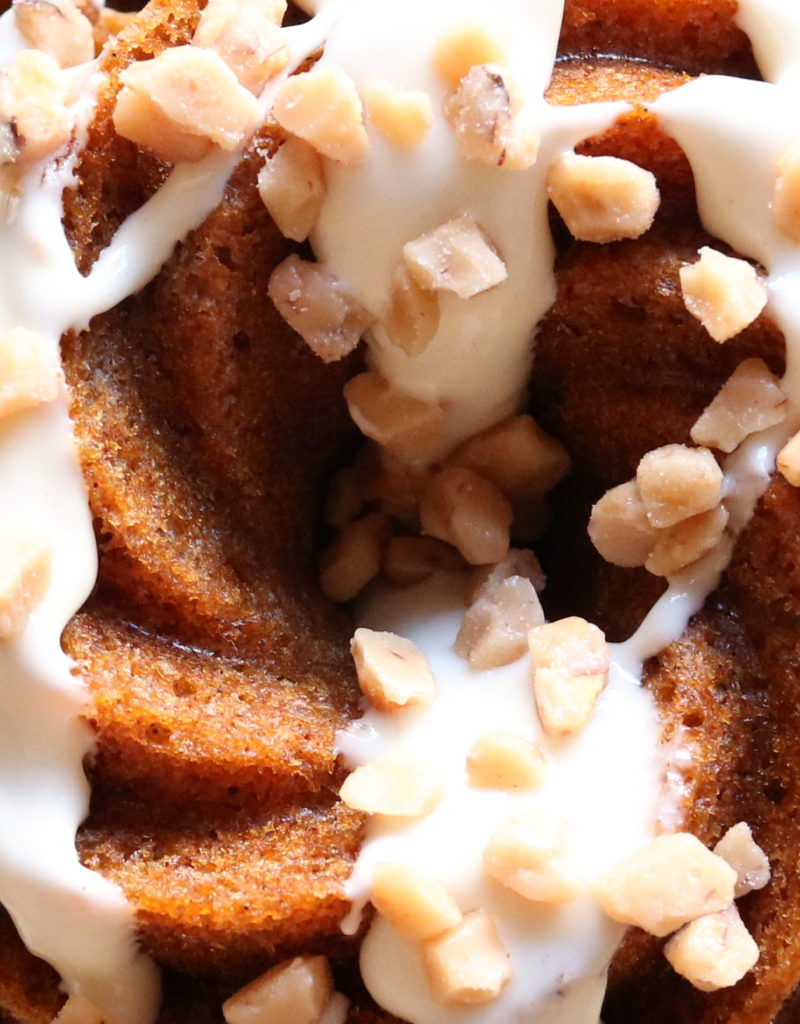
(714, 951)
(297, 990)
(323, 107)
(505, 760)
(603, 198)
(456, 257)
(416, 904)
(786, 196)
(788, 461)
(407, 427)
(676, 482)
(34, 119)
(354, 558)
(534, 855)
(465, 46)
(723, 293)
(687, 541)
(292, 188)
(463, 509)
(246, 37)
(468, 965)
(619, 527)
(392, 672)
(57, 28)
(494, 630)
(570, 664)
(393, 787)
(750, 400)
(412, 319)
(404, 116)
(746, 857)
(410, 560)
(30, 372)
(25, 560)
(518, 562)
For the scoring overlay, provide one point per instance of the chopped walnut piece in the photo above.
(34, 120)
(786, 197)
(619, 527)
(788, 461)
(30, 372)
(570, 668)
(409, 560)
(468, 965)
(494, 630)
(253, 47)
(297, 990)
(292, 188)
(315, 303)
(482, 111)
(676, 482)
(746, 857)
(603, 198)
(455, 257)
(750, 400)
(354, 559)
(665, 884)
(723, 293)
(714, 951)
(194, 92)
(138, 118)
(412, 319)
(464, 47)
(505, 760)
(534, 855)
(322, 106)
(462, 508)
(404, 116)
(24, 577)
(686, 542)
(416, 904)
(518, 562)
(57, 28)
(408, 428)
(393, 673)
(393, 786)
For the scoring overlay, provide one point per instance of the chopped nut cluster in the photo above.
(56, 27)
(473, 515)
(394, 787)
(404, 116)
(414, 903)
(723, 293)
(455, 257)
(292, 188)
(750, 400)
(299, 990)
(29, 371)
(34, 119)
(323, 107)
(505, 760)
(534, 856)
(746, 857)
(468, 965)
(25, 560)
(247, 36)
(393, 673)
(714, 951)
(570, 670)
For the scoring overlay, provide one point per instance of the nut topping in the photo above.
(403, 116)
(455, 257)
(414, 903)
(57, 28)
(407, 427)
(534, 856)
(393, 673)
(505, 760)
(676, 482)
(746, 857)
(292, 189)
(323, 107)
(750, 400)
(393, 786)
(713, 952)
(470, 513)
(468, 965)
(464, 47)
(29, 371)
(297, 990)
(723, 293)
(24, 577)
(570, 669)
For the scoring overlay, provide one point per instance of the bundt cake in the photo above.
(162, 172)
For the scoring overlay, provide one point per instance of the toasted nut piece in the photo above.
(455, 257)
(746, 857)
(484, 113)
(619, 527)
(603, 198)
(470, 513)
(468, 965)
(494, 630)
(297, 990)
(409, 560)
(518, 562)
(505, 760)
(393, 673)
(786, 197)
(788, 461)
(315, 303)
(78, 1010)
(723, 293)
(24, 577)
(34, 120)
(750, 400)
(676, 482)
(534, 856)
(672, 880)
(394, 483)
(713, 952)
(322, 106)
(29, 371)
(685, 542)
(57, 28)
(467, 45)
(570, 669)
(195, 91)
(354, 559)
(292, 189)
(414, 903)
(404, 116)
(246, 37)
(407, 427)
(413, 316)
(136, 117)
(393, 786)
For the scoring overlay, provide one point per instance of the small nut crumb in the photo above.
(416, 904)
(464, 47)
(619, 527)
(603, 198)
(25, 560)
(788, 461)
(323, 107)
(34, 119)
(672, 880)
(534, 855)
(462, 508)
(247, 38)
(786, 197)
(468, 965)
(315, 303)
(676, 482)
(746, 857)
(393, 673)
(570, 669)
(407, 427)
(723, 293)
(494, 630)
(393, 786)
(57, 28)
(505, 760)
(354, 559)
(412, 319)
(714, 951)
(292, 188)
(687, 541)
(404, 116)
(410, 560)
(455, 257)
(297, 990)
(29, 371)
(750, 400)
(518, 562)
